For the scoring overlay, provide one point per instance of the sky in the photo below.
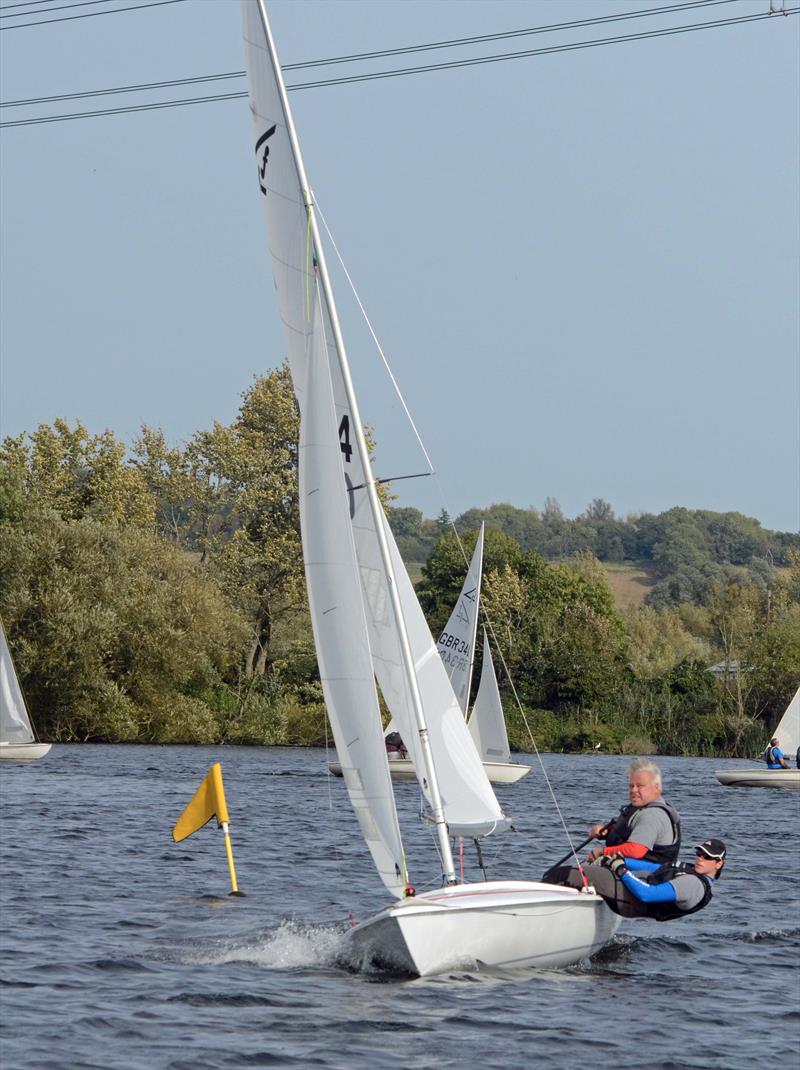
(582, 267)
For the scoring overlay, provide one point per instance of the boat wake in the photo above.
(292, 945)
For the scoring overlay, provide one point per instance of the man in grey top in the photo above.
(648, 828)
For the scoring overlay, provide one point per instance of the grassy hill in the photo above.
(630, 584)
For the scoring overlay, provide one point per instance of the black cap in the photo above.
(714, 849)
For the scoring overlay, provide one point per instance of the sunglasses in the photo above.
(709, 856)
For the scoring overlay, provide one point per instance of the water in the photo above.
(121, 949)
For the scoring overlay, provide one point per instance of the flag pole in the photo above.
(229, 850)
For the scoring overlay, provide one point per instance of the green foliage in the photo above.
(160, 597)
(112, 629)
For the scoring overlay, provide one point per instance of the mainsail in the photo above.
(456, 642)
(468, 801)
(15, 725)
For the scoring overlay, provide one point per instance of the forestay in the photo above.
(470, 807)
(487, 723)
(15, 725)
(456, 643)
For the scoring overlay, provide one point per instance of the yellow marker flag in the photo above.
(208, 801)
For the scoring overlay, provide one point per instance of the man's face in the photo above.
(642, 789)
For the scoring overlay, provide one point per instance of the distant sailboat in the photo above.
(456, 645)
(368, 624)
(17, 740)
(487, 725)
(788, 736)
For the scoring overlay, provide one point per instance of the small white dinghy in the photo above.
(788, 735)
(368, 623)
(17, 740)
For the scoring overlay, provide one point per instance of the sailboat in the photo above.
(788, 735)
(456, 645)
(17, 740)
(368, 624)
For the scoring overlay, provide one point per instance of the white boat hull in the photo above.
(496, 924)
(759, 778)
(23, 752)
(497, 772)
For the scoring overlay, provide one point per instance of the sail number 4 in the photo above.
(344, 437)
(347, 450)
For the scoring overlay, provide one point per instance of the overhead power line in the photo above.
(43, 10)
(574, 46)
(87, 15)
(396, 73)
(362, 56)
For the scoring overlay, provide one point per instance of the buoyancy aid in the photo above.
(620, 832)
(670, 911)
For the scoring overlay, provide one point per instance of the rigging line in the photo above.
(536, 751)
(130, 109)
(441, 492)
(89, 14)
(374, 336)
(43, 10)
(342, 59)
(393, 479)
(549, 50)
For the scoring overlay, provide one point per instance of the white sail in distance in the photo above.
(788, 730)
(15, 725)
(456, 642)
(487, 723)
(468, 799)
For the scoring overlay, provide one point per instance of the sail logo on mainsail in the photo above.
(262, 155)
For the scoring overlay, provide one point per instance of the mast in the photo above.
(371, 487)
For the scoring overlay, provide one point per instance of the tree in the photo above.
(77, 475)
(116, 633)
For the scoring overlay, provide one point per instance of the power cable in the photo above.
(88, 15)
(455, 64)
(43, 10)
(29, 3)
(451, 65)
